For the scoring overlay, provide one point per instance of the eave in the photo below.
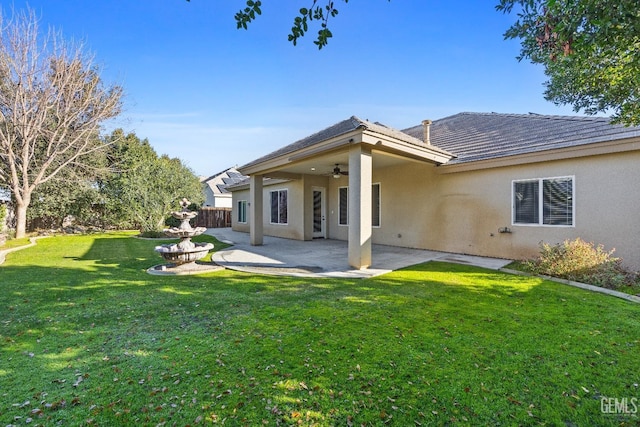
(376, 141)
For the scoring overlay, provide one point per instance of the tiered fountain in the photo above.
(183, 255)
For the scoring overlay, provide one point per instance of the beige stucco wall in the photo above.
(294, 229)
(606, 208)
(462, 212)
(238, 195)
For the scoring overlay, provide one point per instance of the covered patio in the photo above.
(355, 147)
(324, 257)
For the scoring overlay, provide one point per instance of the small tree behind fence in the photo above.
(214, 217)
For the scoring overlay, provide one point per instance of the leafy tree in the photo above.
(52, 103)
(73, 191)
(590, 50)
(145, 188)
(68, 194)
(318, 12)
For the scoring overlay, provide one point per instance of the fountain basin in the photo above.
(179, 232)
(178, 254)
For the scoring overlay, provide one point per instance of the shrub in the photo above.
(3, 215)
(580, 261)
(150, 234)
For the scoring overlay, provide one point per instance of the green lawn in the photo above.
(89, 338)
(14, 243)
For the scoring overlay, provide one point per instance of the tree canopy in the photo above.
(72, 192)
(144, 187)
(590, 50)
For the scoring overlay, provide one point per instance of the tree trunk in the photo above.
(160, 225)
(21, 219)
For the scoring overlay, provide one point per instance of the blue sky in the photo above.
(214, 96)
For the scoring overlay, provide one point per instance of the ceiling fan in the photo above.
(337, 173)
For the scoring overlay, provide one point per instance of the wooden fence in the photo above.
(43, 223)
(214, 217)
(207, 217)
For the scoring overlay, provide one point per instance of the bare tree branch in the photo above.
(52, 104)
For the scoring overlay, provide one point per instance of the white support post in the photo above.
(255, 210)
(360, 232)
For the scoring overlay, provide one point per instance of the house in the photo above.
(215, 188)
(483, 184)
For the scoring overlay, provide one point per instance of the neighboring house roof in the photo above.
(483, 136)
(219, 182)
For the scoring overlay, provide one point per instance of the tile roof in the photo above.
(220, 181)
(482, 136)
(340, 128)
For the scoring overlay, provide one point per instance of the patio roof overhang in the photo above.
(320, 158)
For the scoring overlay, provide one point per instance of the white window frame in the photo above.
(379, 205)
(242, 212)
(540, 182)
(346, 208)
(283, 190)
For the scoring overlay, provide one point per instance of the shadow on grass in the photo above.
(94, 339)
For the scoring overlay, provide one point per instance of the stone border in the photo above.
(584, 286)
(183, 270)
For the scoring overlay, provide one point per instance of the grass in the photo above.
(631, 288)
(88, 338)
(14, 243)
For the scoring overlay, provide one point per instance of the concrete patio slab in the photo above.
(324, 257)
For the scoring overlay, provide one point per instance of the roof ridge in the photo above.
(534, 115)
(217, 174)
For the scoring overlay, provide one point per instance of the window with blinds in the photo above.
(343, 207)
(242, 211)
(544, 201)
(279, 207)
(375, 205)
(343, 213)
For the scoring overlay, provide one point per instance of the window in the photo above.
(343, 207)
(279, 207)
(546, 201)
(242, 211)
(375, 205)
(343, 213)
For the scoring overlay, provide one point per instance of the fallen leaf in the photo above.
(512, 400)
